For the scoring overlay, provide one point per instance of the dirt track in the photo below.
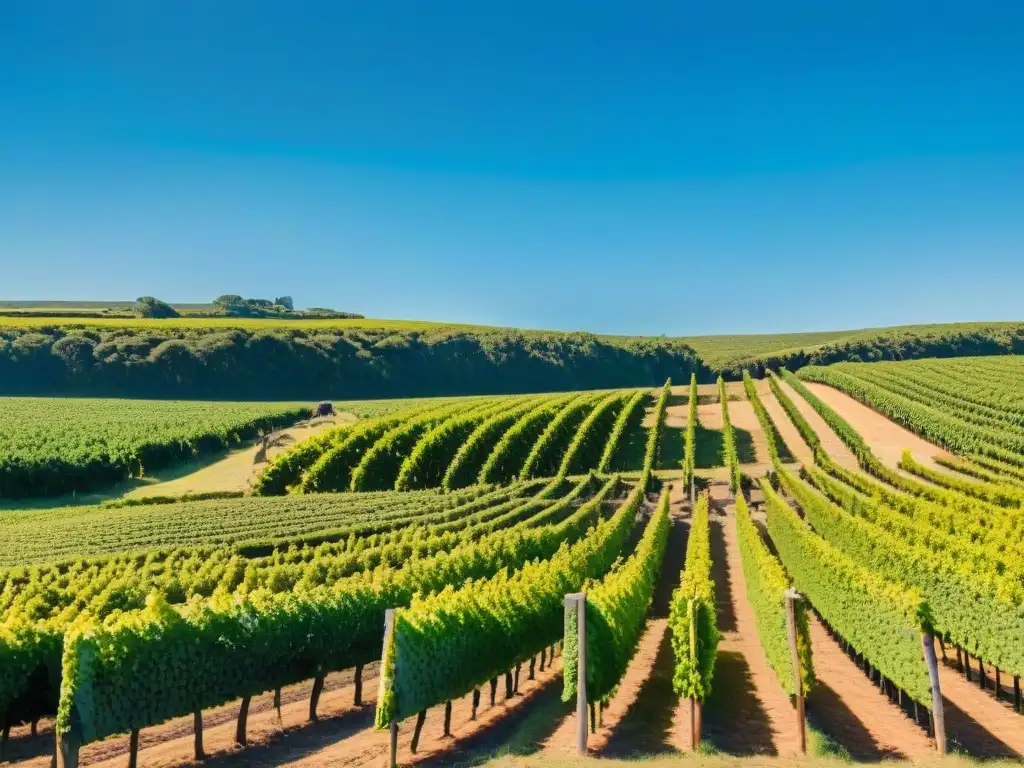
(787, 430)
(748, 713)
(886, 438)
(830, 441)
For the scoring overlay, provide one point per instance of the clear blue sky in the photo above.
(670, 167)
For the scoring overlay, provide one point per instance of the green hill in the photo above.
(271, 359)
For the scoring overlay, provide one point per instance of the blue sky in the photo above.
(673, 167)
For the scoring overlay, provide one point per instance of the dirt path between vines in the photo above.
(639, 717)
(787, 430)
(236, 471)
(886, 438)
(747, 713)
(850, 708)
(975, 721)
(171, 743)
(742, 416)
(830, 441)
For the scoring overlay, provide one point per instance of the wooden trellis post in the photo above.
(794, 657)
(696, 715)
(578, 603)
(928, 645)
(389, 627)
(68, 745)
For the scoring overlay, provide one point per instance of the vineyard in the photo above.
(53, 446)
(459, 576)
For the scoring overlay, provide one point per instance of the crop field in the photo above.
(57, 446)
(52, 446)
(454, 551)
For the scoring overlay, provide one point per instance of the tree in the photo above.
(228, 300)
(285, 301)
(148, 306)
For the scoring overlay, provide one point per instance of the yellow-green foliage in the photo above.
(52, 446)
(654, 434)
(545, 458)
(767, 583)
(771, 434)
(586, 449)
(452, 642)
(139, 668)
(882, 620)
(969, 405)
(634, 404)
(616, 612)
(694, 671)
(730, 457)
(975, 592)
(1003, 494)
(690, 449)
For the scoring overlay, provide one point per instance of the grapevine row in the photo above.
(616, 610)
(692, 616)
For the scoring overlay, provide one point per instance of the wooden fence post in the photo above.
(794, 657)
(928, 645)
(389, 627)
(578, 602)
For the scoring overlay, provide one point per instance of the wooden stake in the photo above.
(699, 714)
(358, 698)
(447, 718)
(68, 745)
(314, 699)
(791, 598)
(578, 602)
(1016, 692)
(241, 735)
(515, 683)
(695, 713)
(277, 705)
(389, 627)
(508, 685)
(938, 716)
(420, 718)
(543, 652)
(533, 664)
(133, 749)
(999, 685)
(476, 703)
(593, 718)
(197, 731)
(693, 725)
(33, 729)
(494, 689)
